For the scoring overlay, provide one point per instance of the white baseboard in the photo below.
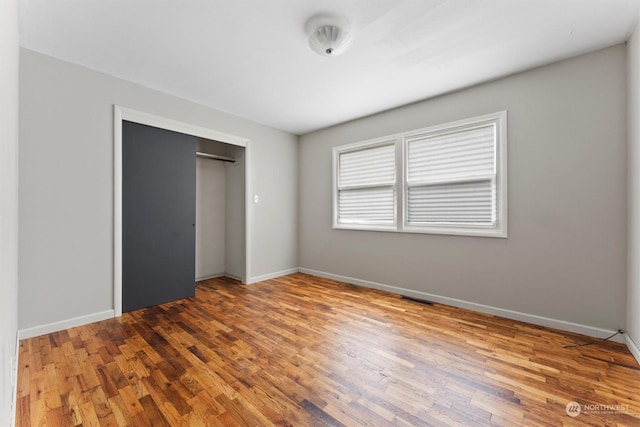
(263, 277)
(64, 324)
(496, 311)
(210, 276)
(14, 378)
(215, 276)
(633, 348)
(234, 277)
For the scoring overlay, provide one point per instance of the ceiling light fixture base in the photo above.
(329, 35)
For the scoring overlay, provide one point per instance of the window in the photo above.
(455, 177)
(365, 185)
(453, 180)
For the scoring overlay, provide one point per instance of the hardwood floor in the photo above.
(301, 350)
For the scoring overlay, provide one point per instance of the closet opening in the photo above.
(219, 187)
(219, 210)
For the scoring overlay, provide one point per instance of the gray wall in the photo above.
(234, 214)
(210, 217)
(565, 257)
(66, 185)
(9, 52)
(633, 255)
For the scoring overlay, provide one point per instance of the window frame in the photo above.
(499, 228)
(360, 146)
(401, 185)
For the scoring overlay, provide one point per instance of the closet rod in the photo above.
(215, 157)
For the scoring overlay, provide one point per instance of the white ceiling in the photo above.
(251, 58)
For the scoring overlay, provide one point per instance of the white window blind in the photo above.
(366, 185)
(451, 177)
(463, 203)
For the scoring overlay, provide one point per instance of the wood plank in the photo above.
(300, 350)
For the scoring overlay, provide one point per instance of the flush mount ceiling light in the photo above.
(328, 34)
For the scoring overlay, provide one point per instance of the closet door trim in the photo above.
(122, 113)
